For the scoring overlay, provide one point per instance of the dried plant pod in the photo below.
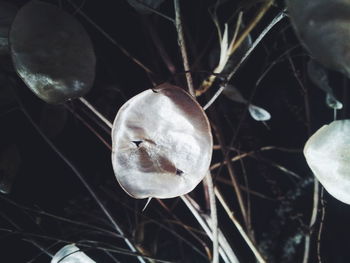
(52, 52)
(327, 152)
(71, 254)
(162, 143)
(323, 27)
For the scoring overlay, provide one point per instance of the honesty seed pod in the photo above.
(327, 152)
(323, 27)
(162, 143)
(71, 254)
(51, 52)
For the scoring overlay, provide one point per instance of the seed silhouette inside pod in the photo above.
(323, 27)
(162, 143)
(327, 152)
(51, 52)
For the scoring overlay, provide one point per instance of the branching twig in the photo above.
(246, 238)
(225, 251)
(278, 18)
(316, 183)
(209, 82)
(87, 186)
(233, 178)
(209, 182)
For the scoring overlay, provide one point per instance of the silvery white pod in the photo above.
(52, 52)
(162, 143)
(327, 152)
(323, 28)
(71, 254)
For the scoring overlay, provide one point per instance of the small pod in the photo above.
(162, 143)
(71, 254)
(323, 28)
(327, 152)
(52, 52)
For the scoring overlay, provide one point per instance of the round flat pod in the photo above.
(52, 52)
(323, 28)
(327, 152)
(162, 143)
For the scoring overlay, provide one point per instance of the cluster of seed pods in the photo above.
(162, 141)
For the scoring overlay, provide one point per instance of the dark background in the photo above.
(43, 183)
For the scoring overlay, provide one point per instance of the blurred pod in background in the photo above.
(323, 28)
(52, 52)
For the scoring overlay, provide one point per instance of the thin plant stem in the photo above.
(312, 221)
(60, 218)
(316, 183)
(267, 29)
(41, 248)
(224, 56)
(84, 245)
(96, 112)
(245, 189)
(87, 186)
(323, 206)
(160, 47)
(213, 99)
(224, 249)
(209, 182)
(182, 45)
(214, 217)
(43, 251)
(162, 225)
(240, 229)
(208, 83)
(187, 228)
(110, 39)
(277, 19)
(227, 254)
(87, 125)
(266, 6)
(231, 172)
(33, 242)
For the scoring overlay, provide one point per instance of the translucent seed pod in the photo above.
(323, 28)
(162, 143)
(71, 254)
(52, 52)
(327, 152)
